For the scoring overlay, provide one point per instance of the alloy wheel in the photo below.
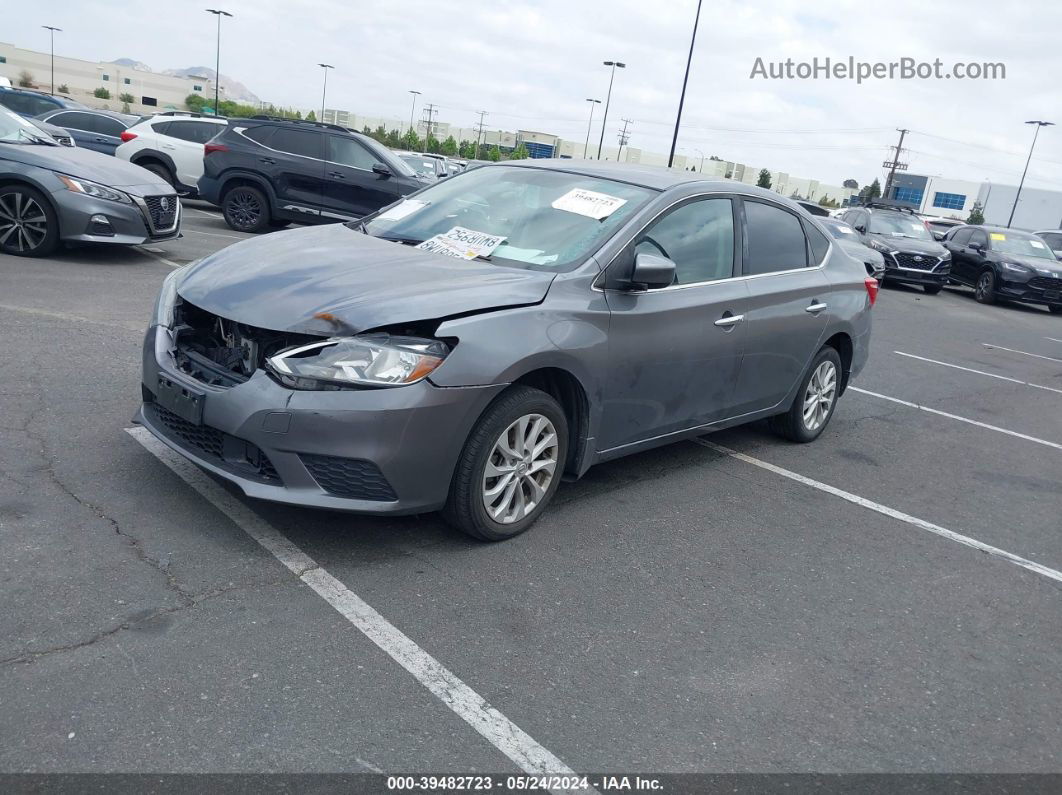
(23, 223)
(244, 209)
(984, 286)
(520, 469)
(820, 394)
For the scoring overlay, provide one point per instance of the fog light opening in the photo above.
(100, 225)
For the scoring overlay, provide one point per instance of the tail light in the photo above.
(872, 288)
(208, 148)
(127, 136)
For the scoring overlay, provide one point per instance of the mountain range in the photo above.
(230, 87)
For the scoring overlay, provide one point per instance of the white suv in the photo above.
(171, 146)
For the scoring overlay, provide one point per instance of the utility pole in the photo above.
(623, 138)
(479, 132)
(1021, 184)
(430, 111)
(893, 164)
(51, 32)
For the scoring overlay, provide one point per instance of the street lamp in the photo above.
(1017, 196)
(685, 79)
(700, 168)
(217, 60)
(51, 33)
(326, 67)
(608, 99)
(413, 109)
(590, 124)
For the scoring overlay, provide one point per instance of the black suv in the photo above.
(1002, 263)
(911, 254)
(265, 172)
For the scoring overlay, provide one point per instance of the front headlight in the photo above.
(370, 360)
(167, 298)
(1014, 267)
(877, 245)
(946, 257)
(94, 189)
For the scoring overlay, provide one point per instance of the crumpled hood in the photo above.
(285, 281)
(94, 166)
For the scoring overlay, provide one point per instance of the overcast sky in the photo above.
(532, 64)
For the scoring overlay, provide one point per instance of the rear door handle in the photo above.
(729, 320)
(336, 175)
(816, 308)
(267, 160)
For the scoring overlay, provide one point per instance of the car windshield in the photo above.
(15, 129)
(1021, 245)
(896, 225)
(520, 216)
(422, 165)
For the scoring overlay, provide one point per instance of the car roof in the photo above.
(655, 177)
(126, 118)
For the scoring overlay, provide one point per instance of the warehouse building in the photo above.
(955, 198)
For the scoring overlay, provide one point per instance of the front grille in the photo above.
(918, 262)
(1045, 283)
(349, 477)
(229, 452)
(162, 217)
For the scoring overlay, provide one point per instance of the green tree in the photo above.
(765, 179)
(62, 88)
(194, 103)
(393, 139)
(851, 183)
(433, 144)
(380, 134)
(717, 159)
(101, 93)
(25, 78)
(466, 149)
(449, 147)
(411, 141)
(494, 155)
(874, 191)
(126, 99)
(311, 116)
(520, 153)
(977, 215)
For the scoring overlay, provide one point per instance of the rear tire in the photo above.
(246, 209)
(985, 289)
(932, 289)
(523, 438)
(815, 401)
(160, 171)
(29, 227)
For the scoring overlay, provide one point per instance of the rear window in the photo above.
(776, 239)
(819, 243)
(260, 134)
(194, 131)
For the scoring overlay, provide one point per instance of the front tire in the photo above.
(29, 226)
(985, 290)
(815, 401)
(510, 466)
(246, 209)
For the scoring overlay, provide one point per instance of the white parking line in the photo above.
(212, 234)
(985, 425)
(979, 372)
(200, 212)
(1023, 353)
(890, 512)
(159, 257)
(1052, 339)
(501, 732)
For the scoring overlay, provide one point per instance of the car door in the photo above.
(788, 305)
(351, 187)
(77, 123)
(107, 135)
(296, 169)
(956, 245)
(974, 258)
(674, 352)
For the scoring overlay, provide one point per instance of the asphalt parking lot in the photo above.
(885, 599)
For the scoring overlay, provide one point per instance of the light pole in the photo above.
(700, 168)
(217, 60)
(1017, 196)
(324, 89)
(590, 124)
(51, 33)
(413, 109)
(608, 99)
(685, 79)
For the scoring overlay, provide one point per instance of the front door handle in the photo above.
(816, 307)
(336, 175)
(267, 160)
(729, 320)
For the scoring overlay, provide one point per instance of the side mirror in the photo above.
(861, 229)
(980, 249)
(651, 271)
(938, 235)
(381, 169)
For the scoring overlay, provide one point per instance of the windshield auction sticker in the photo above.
(589, 203)
(462, 243)
(401, 210)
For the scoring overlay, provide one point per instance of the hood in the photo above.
(284, 280)
(911, 245)
(86, 164)
(1042, 266)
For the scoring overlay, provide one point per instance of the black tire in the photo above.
(23, 233)
(792, 425)
(985, 288)
(1055, 310)
(160, 171)
(246, 209)
(932, 289)
(465, 508)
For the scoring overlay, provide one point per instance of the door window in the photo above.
(961, 238)
(348, 152)
(775, 239)
(74, 120)
(698, 237)
(298, 142)
(108, 126)
(979, 238)
(819, 243)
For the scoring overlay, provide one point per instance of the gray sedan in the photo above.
(466, 347)
(50, 194)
